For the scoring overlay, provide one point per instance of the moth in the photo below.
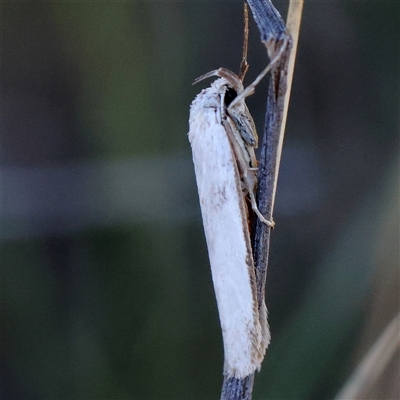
(223, 138)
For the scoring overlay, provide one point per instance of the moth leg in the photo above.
(243, 152)
(245, 156)
(237, 129)
(250, 182)
(245, 125)
(250, 89)
(257, 211)
(249, 177)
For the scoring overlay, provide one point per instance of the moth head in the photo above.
(238, 113)
(229, 95)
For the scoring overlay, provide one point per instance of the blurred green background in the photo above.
(106, 288)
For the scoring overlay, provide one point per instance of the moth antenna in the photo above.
(230, 76)
(205, 76)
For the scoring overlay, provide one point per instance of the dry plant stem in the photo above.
(374, 363)
(273, 34)
(244, 65)
(237, 389)
(293, 28)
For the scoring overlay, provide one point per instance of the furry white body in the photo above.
(244, 329)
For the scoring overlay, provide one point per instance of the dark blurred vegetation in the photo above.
(106, 290)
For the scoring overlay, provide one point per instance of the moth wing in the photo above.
(226, 230)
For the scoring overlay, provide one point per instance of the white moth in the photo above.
(223, 137)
